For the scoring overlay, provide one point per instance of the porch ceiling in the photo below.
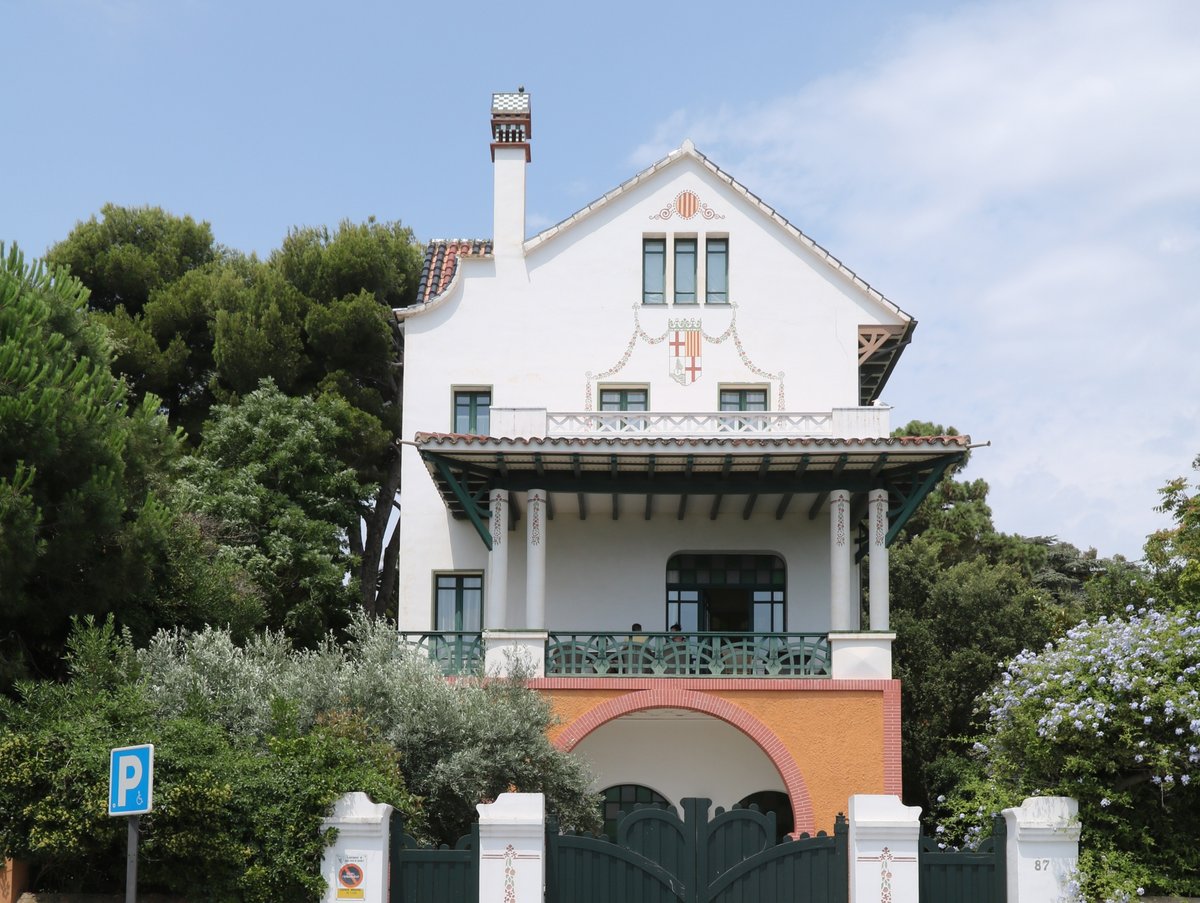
(467, 468)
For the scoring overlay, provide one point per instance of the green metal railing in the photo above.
(594, 654)
(456, 652)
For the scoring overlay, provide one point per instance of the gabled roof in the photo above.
(879, 347)
(688, 149)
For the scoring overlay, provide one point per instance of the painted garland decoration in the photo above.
(640, 333)
(497, 519)
(885, 876)
(535, 519)
(510, 874)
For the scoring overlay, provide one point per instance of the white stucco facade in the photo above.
(546, 326)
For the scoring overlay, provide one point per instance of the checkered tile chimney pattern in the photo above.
(511, 124)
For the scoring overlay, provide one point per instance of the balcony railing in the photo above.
(688, 655)
(455, 652)
(626, 423)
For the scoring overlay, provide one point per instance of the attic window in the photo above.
(654, 271)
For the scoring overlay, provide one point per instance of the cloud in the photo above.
(1023, 178)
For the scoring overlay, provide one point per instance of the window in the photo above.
(472, 409)
(685, 271)
(743, 399)
(726, 592)
(624, 400)
(458, 602)
(716, 271)
(654, 271)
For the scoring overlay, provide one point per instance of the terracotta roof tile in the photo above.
(441, 263)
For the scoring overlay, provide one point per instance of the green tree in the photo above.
(315, 318)
(966, 597)
(83, 528)
(131, 251)
(1174, 552)
(236, 818)
(1108, 714)
(460, 743)
(269, 476)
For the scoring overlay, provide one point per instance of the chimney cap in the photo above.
(511, 104)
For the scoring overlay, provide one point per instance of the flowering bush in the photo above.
(1110, 715)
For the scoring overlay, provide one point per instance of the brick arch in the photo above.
(765, 738)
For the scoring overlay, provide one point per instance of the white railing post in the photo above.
(512, 848)
(355, 866)
(884, 839)
(1043, 849)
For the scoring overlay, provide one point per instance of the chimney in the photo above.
(510, 152)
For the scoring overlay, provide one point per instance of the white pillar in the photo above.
(1043, 848)
(355, 866)
(512, 848)
(884, 837)
(535, 561)
(877, 517)
(496, 603)
(841, 560)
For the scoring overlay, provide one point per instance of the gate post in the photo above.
(512, 848)
(355, 866)
(884, 839)
(1043, 848)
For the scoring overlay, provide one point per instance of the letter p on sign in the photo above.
(131, 780)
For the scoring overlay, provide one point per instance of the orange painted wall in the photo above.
(837, 737)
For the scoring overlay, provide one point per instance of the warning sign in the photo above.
(350, 878)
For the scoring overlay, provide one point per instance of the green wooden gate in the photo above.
(962, 876)
(420, 874)
(659, 857)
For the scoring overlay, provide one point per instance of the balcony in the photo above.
(845, 423)
(687, 655)
(693, 655)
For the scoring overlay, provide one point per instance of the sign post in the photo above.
(131, 793)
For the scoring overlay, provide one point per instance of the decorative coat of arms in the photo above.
(685, 343)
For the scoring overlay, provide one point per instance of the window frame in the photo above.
(459, 589)
(474, 408)
(660, 241)
(688, 245)
(742, 392)
(709, 242)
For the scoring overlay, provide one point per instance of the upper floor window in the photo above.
(685, 271)
(458, 602)
(472, 411)
(654, 271)
(699, 269)
(716, 271)
(743, 399)
(624, 400)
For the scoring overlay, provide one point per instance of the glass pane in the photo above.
(472, 607)
(685, 271)
(756, 400)
(446, 609)
(717, 271)
(636, 400)
(654, 270)
(610, 400)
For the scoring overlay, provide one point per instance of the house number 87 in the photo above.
(1041, 865)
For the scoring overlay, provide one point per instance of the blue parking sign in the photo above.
(131, 780)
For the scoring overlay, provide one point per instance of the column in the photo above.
(512, 848)
(535, 561)
(1043, 848)
(877, 516)
(884, 840)
(355, 866)
(841, 560)
(495, 604)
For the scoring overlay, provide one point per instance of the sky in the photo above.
(1021, 177)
